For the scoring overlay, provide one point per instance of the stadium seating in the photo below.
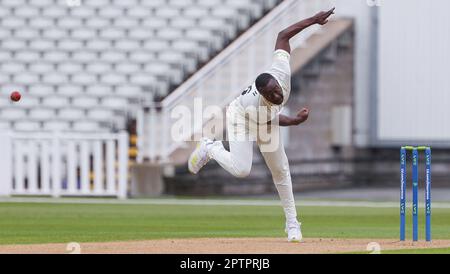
(84, 68)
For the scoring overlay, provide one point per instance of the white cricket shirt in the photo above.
(251, 100)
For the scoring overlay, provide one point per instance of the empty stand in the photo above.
(84, 68)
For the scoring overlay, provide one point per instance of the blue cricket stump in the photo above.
(428, 195)
(402, 193)
(415, 179)
(415, 190)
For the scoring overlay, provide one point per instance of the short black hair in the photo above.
(262, 80)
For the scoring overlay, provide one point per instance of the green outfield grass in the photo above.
(23, 223)
(419, 251)
(411, 251)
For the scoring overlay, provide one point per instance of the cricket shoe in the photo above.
(199, 158)
(294, 231)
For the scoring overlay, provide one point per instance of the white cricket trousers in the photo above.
(238, 161)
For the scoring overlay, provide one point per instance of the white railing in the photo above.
(42, 164)
(222, 79)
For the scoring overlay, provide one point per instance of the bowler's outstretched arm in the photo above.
(285, 35)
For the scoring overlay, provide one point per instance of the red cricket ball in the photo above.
(15, 96)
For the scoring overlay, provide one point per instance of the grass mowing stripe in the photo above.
(212, 202)
(419, 251)
(410, 251)
(62, 223)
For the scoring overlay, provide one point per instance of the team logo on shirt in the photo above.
(248, 90)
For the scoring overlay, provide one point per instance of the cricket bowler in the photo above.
(267, 95)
